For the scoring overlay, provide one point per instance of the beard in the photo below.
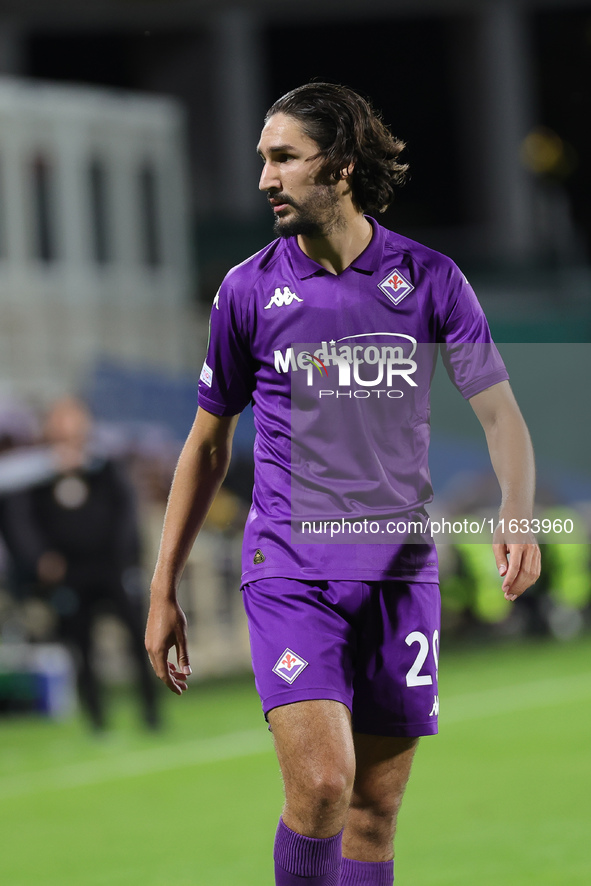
(314, 217)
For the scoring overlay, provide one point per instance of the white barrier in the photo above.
(93, 233)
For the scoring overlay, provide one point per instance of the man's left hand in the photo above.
(519, 565)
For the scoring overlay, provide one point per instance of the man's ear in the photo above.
(348, 172)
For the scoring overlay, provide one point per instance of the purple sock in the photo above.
(366, 873)
(306, 861)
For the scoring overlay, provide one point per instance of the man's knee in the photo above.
(383, 767)
(374, 822)
(327, 787)
(316, 803)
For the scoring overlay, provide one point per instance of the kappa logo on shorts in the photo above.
(289, 666)
(395, 286)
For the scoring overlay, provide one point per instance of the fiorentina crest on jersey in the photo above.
(289, 666)
(395, 286)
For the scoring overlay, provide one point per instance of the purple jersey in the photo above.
(338, 368)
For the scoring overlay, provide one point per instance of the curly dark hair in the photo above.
(348, 131)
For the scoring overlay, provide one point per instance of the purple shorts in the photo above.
(373, 646)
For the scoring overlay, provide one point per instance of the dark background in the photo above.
(406, 63)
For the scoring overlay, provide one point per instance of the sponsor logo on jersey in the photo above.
(259, 557)
(289, 666)
(395, 286)
(373, 361)
(206, 375)
(280, 298)
(216, 301)
(317, 363)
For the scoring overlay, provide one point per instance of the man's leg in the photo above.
(76, 631)
(316, 754)
(383, 769)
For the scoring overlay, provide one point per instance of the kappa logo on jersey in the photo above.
(281, 298)
(395, 286)
(289, 666)
(435, 708)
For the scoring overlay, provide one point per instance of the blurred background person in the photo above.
(74, 542)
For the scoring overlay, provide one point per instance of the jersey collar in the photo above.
(367, 262)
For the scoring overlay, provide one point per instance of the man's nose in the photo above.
(269, 179)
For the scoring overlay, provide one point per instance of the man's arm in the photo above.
(511, 453)
(202, 466)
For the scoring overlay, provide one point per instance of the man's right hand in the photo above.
(167, 627)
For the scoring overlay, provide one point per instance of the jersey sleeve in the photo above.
(227, 377)
(469, 354)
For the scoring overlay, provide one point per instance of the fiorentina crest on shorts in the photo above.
(289, 666)
(395, 286)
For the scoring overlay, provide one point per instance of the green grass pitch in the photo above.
(502, 795)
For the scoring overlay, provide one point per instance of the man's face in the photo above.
(302, 203)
